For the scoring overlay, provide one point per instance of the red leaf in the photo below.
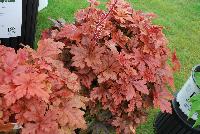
(4, 89)
(116, 95)
(6, 127)
(45, 125)
(69, 31)
(71, 80)
(141, 86)
(77, 102)
(112, 46)
(130, 92)
(131, 106)
(72, 115)
(49, 48)
(10, 60)
(83, 56)
(98, 93)
(136, 102)
(162, 98)
(80, 54)
(30, 85)
(86, 76)
(176, 62)
(46, 34)
(22, 55)
(108, 69)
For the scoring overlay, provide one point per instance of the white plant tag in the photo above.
(10, 18)
(16, 126)
(42, 4)
(188, 90)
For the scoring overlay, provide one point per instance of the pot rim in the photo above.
(194, 69)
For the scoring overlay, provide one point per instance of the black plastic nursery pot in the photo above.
(28, 28)
(178, 122)
(175, 123)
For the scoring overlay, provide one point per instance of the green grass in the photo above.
(181, 21)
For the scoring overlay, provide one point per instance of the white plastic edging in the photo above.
(42, 4)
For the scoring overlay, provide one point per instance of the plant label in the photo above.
(42, 4)
(16, 126)
(10, 18)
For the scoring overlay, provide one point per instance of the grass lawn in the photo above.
(180, 18)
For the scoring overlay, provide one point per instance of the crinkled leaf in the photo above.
(49, 48)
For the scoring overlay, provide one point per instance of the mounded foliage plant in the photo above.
(120, 58)
(37, 92)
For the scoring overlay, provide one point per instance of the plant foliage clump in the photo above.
(37, 92)
(120, 58)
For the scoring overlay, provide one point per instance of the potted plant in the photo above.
(185, 117)
(37, 92)
(120, 58)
